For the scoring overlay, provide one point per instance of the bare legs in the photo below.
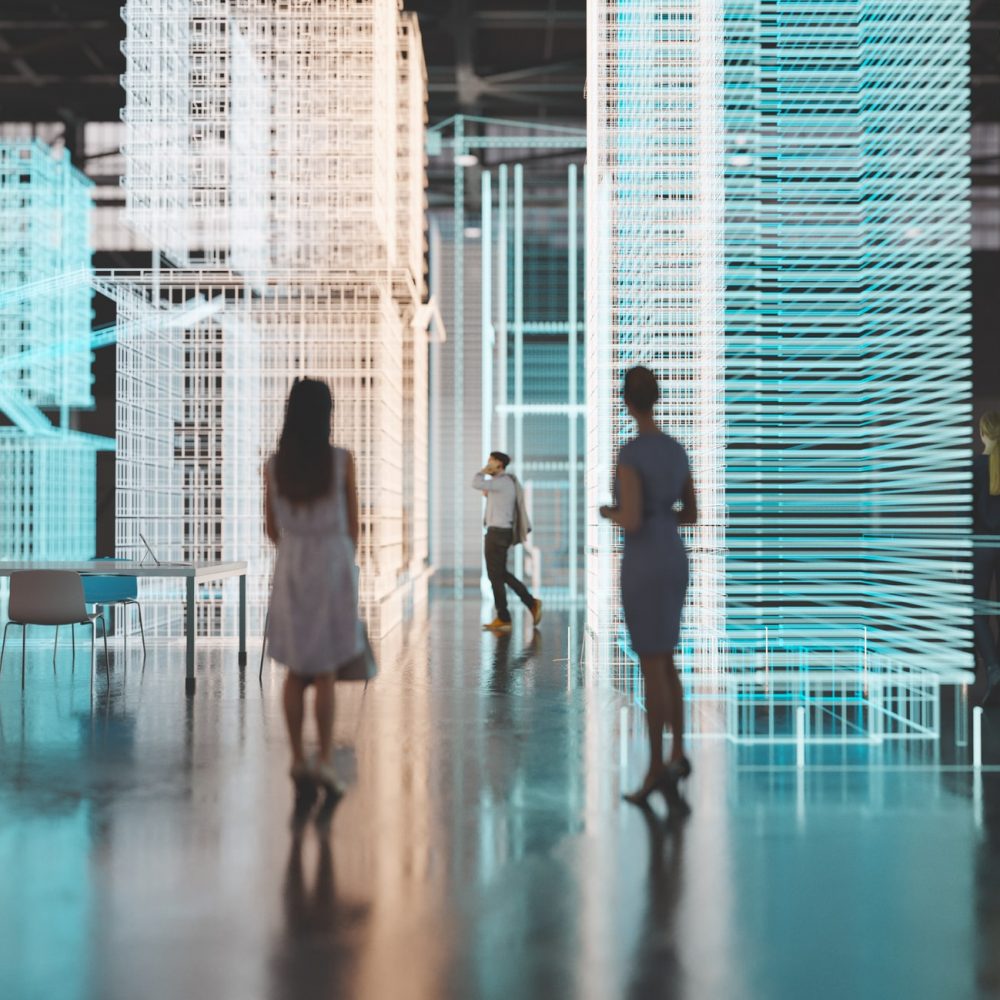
(324, 717)
(294, 701)
(294, 697)
(664, 706)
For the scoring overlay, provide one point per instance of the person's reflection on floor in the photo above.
(506, 718)
(316, 955)
(657, 949)
(503, 666)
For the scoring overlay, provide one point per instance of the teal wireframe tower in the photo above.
(847, 327)
(833, 136)
(47, 469)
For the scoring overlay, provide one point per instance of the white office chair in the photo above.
(49, 597)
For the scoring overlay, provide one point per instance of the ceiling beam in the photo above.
(539, 18)
(6, 24)
(575, 66)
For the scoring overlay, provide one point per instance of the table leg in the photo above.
(243, 619)
(189, 636)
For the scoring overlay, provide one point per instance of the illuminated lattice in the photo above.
(47, 470)
(411, 252)
(315, 205)
(847, 326)
(45, 308)
(509, 375)
(196, 434)
(654, 295)
(262, 135)
(846, 309)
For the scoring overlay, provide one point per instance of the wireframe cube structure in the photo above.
(411, 254)
(842, 266)
(847, 324)
(293, 215)
(654, 290)
(47, 470)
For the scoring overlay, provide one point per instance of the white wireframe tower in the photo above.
(274, 153)
(654, 257)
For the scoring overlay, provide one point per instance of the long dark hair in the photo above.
(303, 466)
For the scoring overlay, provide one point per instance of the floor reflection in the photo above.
(149, 846)
(316, 950)
(657, 958)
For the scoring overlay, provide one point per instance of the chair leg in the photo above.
(55, 648)
(72, 635)
(24, 651)
(107, 659)
(3, 647)
(93, 664)
(142, 632)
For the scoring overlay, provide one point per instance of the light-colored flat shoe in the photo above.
(326, 777)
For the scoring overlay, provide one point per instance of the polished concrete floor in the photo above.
(148, 846)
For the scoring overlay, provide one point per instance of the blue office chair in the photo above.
(124, 590)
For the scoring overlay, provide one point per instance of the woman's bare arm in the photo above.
(628, 514)
(688, 514)
(353, 514)
(270, 521)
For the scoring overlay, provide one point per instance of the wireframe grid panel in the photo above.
(276, 122)
(509, 279)
(411, 253)
(204, 367)
(847, 326)
(47, 496)
(654, 292)
(45, 310)
(318, 212)
(456, 405)
(47, 470)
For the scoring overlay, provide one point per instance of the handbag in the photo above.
(361, 666)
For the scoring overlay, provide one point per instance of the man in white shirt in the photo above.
(505, 516)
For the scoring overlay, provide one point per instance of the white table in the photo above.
(192, 573)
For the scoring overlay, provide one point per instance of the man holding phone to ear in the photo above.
(506, 525)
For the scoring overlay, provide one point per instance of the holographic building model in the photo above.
(654, 288)
(274, 155)
(847, 327)
(795, 173)
(507, 273)
(47, 469)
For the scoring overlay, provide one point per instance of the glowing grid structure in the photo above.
(509, 278)
(847, 327)
(411, 253)
(654, 292)
(47, 470)
(845, 252)
(295, 215)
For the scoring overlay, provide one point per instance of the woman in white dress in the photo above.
(311, 515)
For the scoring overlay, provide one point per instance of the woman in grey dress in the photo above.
(311, 508)
(651, 478)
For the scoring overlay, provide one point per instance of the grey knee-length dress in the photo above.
(654, 565)
(313, 624)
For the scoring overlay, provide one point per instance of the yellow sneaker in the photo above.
(497, 626)
(536, 611)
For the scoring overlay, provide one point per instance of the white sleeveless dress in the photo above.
(313, 626)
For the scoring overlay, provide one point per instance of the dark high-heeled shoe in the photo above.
(640, 797)
(676, 771)
(673, 774)
(679, 769)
